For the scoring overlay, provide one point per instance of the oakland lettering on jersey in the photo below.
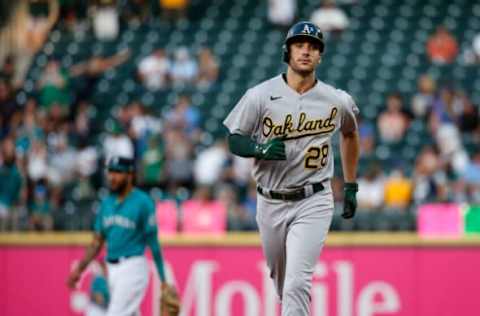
(304, 127)
(119, 221)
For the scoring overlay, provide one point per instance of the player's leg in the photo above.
(272, 225)
(129, 285)
(305, 239)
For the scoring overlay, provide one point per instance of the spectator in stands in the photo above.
(39, 24)
(7, 72)
(239, 171)
(471, 53)
(143, 125)
(142, 122)
(471, 174)
(11, 185)
(137, 11)
(207, 69)
(210, 164)
(184, 68)
(40, 208)
(445, 112)
(26, 33)
(447, 106)
(8, 107)
(31, 127)
(371, 186)
(238, 219)
(398, 190)
(430, 181)
(87, 159)
(54, 88)
(184, 116)
(250, 203)
(173, 9)
(92, 69)
(422, 100)
(393, 122)
(330, 18)
(179, 159)
(282, 12)
(62, 159)
(37, 166)
(105, 20)
(73, 14)
(84, 122)
(153, 70)
(117, 143)
(476, 47)
(469, 120)
(471, 178)
(449, 142)
(367, 137)
(442, 47)
(152, 163)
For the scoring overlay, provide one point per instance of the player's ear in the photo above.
(320, 60)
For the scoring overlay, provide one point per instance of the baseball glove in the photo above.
(169, 301)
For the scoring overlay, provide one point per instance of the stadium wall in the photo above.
(358, 275)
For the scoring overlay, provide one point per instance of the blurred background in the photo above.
(81, 81)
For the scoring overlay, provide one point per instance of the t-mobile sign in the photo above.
(224, 281)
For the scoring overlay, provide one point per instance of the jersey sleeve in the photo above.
(245, 116)
(349, 113)
(149, 219)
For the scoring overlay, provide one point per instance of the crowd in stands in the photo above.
(53, 147)
(444, 170)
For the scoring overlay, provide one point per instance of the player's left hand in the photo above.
(73, 278)
(350, 199)
(169, 301)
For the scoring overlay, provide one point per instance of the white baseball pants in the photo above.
(127, 282)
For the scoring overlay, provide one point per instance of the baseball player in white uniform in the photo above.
(126, 223)
(287, 123)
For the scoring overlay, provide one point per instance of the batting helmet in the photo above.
(302, 29)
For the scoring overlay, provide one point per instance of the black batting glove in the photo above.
(349, 199)
(273, 149)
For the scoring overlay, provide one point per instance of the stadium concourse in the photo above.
(133, 78)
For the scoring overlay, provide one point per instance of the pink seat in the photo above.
(442, 219)
(200, 217)
(167, 217)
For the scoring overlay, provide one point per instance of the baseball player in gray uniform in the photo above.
(286, 124)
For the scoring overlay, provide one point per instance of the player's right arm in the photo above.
(242, 122)
(93, 249)
(244, 146)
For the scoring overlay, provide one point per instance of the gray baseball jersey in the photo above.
(307, 122)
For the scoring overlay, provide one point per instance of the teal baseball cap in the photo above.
(121, 164)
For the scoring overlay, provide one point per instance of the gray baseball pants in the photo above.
(293, 234)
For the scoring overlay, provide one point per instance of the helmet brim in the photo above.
(311, 38)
